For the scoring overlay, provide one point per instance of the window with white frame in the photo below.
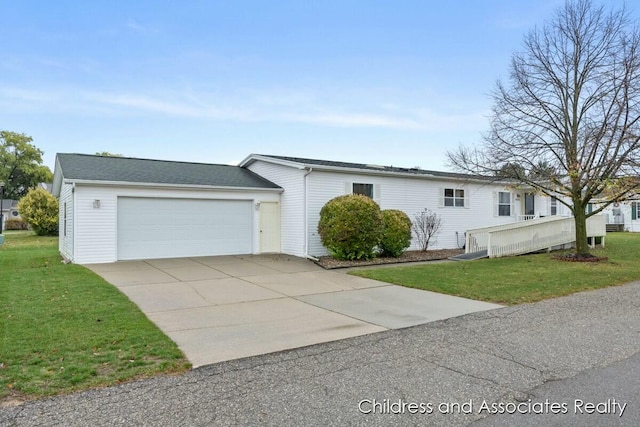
(554, 206)
(364, 189)
(634, 210)
(504, 203)
(454, 197)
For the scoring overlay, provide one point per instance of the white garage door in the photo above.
(167, 228)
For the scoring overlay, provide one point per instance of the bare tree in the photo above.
(426, 225)
(570, 112)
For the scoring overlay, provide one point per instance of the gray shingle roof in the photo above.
(377, 168)
(126, 169)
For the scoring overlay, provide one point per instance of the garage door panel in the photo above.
(163, 228)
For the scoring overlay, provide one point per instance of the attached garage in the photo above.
(171, 228)
(118, 208)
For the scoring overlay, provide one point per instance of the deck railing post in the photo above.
(467, 243)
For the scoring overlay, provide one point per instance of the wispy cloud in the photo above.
(134, 25)
(350, 120)
(302, 109)
(25, 95)
(137, 27)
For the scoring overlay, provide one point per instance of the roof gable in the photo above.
(84, 167)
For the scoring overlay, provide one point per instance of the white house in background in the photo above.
(118, 208)
(9, 210)
(623, 216)
(462, 201)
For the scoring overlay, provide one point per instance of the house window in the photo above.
(504, 203)
(454, 197)
(554, 206)
(364, 189)
(634, 210)
(589, 208)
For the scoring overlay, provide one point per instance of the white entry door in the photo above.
(269, 227)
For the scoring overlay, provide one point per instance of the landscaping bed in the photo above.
(409, 256)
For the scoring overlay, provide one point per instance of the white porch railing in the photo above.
(530, 236)
(527, 217)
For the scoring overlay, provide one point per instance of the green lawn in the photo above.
(64, 328)
(528, 278)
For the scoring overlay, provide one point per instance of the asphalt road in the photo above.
(607, 396)
(583, 346)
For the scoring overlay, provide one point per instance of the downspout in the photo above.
(306, 213)
(73, 222)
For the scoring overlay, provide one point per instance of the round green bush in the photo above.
(396, 236)
(39, 208)
(351, 227)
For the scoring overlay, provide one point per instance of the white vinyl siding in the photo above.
(64, 219)
(411, 195)
(65, 216)
(291, 203)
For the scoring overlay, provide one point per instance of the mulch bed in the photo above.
(579, 258)
(409, 256)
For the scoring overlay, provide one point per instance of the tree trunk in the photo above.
(582, 244)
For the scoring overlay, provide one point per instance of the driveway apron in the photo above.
(229, 307)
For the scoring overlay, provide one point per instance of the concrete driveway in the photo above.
(229, 307)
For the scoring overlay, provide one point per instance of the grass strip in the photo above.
(63, 328)
(521, 279)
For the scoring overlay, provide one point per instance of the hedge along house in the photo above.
(462, 201)
(116, 208)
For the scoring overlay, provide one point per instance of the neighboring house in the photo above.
(462, 201)
(48, 186)
(9, 210)
(118, 208)
(622, 216)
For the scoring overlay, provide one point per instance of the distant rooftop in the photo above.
(87, 167)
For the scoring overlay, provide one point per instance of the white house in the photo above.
(625, 216)
(463, 201)
(116, 208)
(9, 209)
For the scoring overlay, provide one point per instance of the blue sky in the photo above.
(386, 82)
